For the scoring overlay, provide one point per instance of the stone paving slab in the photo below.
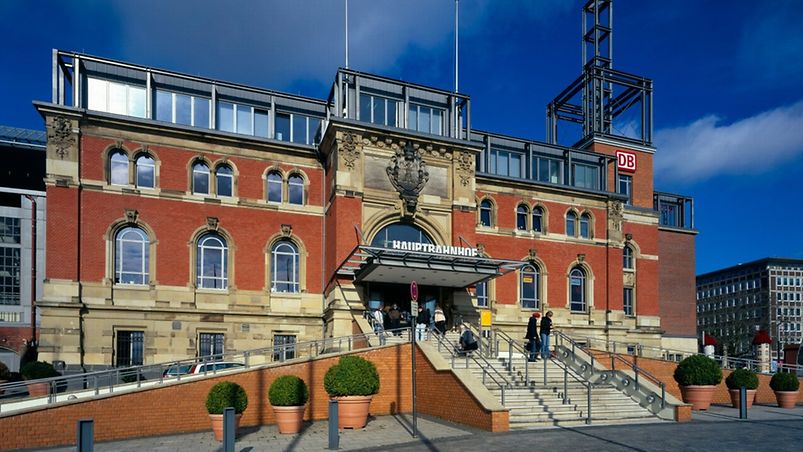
(767, 428)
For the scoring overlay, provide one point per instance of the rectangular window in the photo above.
(211, 345)
(115, 97)
(245, 120)
(282, 129)
(628, 301)
(183, 109)
(423, 118)
(261, 119)
(546, 170)
(482, 294)
(378, 110)
(626, 187)
(299, 129)
(506, 163)
(200, 112)
(586, 176)
(130, 348)
(10, 249)
(284, 347)
(225, 116)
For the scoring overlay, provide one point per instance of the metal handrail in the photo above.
(451, 347)
(66, 387)
(561, 337)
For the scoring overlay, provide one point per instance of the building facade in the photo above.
(195, 216)
(766, 294)
(22, 223)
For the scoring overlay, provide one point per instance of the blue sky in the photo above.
(728, 77)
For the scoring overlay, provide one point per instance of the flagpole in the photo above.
(347, 34)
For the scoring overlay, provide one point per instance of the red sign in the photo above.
(626, 161)
(414, 291)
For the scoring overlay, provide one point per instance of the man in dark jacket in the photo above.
(546, 328)
(533, 343)
(394, 315)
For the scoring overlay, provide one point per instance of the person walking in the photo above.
(532, 337)
(440, 321)
(468, 342)
(421, 323)
(379, 325)
(395, 319)
(546, 328)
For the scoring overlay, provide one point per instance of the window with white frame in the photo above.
(129, 348)
(211, 345)
(295, 189)
(547, 170)
(224, 180)
(486, 213)
(585, 226)
(481, 291)
(538, 219)
(118, 167)
(131, 256)
(629, 302)
(528, 279)
(284, 347)
(426, 119)
(284, 267)
(200, 178)
(522, 212)
(10, 264)
(145, 171)
(577, 290)
(628, 262)
(586, 176)
(212, 262)
(379, 110)
(242, 119)
(626, 187)
(115, 97)
(274, 187)
(506, 163)
(182, 109)
(571, 224)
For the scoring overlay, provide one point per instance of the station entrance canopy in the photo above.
(431, 265)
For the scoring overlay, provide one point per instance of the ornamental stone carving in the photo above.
(60, 136)
(349, 151)
(615, 218)
(287, 230)
(408, 173)
(212, 223)
(131, 215)
(465, 167)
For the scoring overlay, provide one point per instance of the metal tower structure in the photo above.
(602, 102)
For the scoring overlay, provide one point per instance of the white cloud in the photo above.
(707, 148)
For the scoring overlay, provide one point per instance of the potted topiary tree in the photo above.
(288, 396)
(739, 378)
(697, 376)
(785, 385)
(36, 370)
(224, 395)
(352, 382)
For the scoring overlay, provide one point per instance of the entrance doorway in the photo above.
(384, 295)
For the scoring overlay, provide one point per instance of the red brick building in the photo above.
(189, 216)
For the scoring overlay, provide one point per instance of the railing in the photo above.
(488, 369)
(70, 387)
(570, 350)
(515, 346)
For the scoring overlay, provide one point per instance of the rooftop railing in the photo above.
(674, 211)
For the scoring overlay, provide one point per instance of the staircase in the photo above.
(536, 400)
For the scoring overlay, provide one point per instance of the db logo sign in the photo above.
(626, 161)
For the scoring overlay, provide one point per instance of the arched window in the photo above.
(284, 267)
(212, 262)
(295, 189)
(538, 218)
(521, 217)
(401, 232)
(528, 279)
(274, 186)
(627, 258)
(131, 256)
(224, 177)
(486, 211)
(577, 290)
(146, 171)
(571, 221)
(118, 168)
(585, 226)
(200, 178)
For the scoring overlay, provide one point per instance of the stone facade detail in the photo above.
(408, 173)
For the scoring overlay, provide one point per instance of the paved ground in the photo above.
(768, 428)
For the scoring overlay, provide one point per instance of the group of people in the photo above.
(394, 318)
(538, 344)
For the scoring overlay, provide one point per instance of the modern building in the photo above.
(22, 222)
(196, 216)
(766, 294)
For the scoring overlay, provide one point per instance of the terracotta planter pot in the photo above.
(352, 411)
(217, 425)
(698, 396)
(289, 418)
(751, 397)
(786, 399)
(38, 389)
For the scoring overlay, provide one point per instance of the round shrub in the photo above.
(698, 370)
(224, 395)
(742, 377)
(4, 373)
(351, 376)
(38, 369)
(784, 381)
(288, 390)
